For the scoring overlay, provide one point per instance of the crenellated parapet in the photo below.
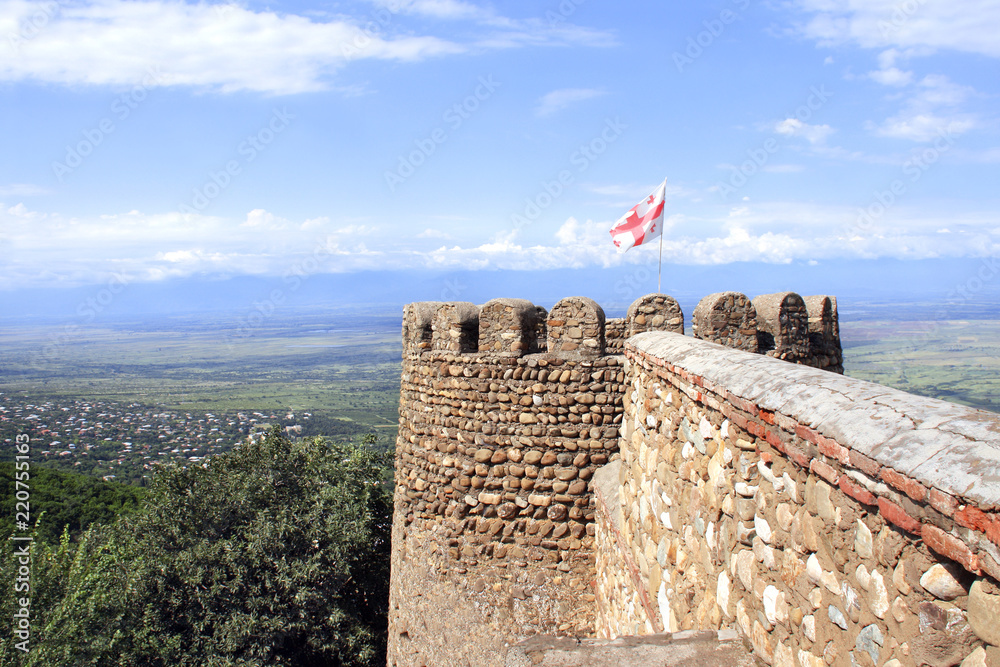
(654, 312)
(782, 326)
(824, 333)
(455, 327)
(727, 318)
(507, 411)
(576, 328)
(418, 331)
(509, 327)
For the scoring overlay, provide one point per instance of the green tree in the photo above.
(276, 553)
(67, 499)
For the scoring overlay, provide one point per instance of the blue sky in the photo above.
(161, 140)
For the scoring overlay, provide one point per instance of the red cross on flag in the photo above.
(643, 222)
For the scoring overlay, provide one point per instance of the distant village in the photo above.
(127, 442)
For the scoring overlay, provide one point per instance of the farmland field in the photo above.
(955, 360)
(344, 367)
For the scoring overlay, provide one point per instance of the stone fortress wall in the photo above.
(507, 411)
(830, 521)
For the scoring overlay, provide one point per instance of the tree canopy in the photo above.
(276, 553)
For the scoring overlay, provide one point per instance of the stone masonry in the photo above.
(829, 520)
(506, 413)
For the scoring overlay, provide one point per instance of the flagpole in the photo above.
(659, 267)
(659, 270)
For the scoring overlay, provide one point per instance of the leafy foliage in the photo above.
(65, 499)
(274, 554)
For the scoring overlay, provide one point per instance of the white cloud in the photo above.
(440, 9)
(892, 76)
(230, 48)
(969, 26)
(45, 249)
(558, 100)
(22, 190)
(628, 195)
(932, 109)
(783, 168)
(923, 127)
(793, 127)
(567, 234)
(262, 219)
(433, 234)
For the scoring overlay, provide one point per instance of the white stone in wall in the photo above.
(807, 659)
(863, 540)
(863, 577)
(725, 428)
(666, 614)
(941, 583)
(879, 595)
(746, 566)
(784, 515)
(765, 472)
(762, 527)
(743, 618)
(705, 427)
(688, 451)
(722, 593)
(775, 608)
(791, 488)
(899, 579)
(814, 570)
(716, 468)
(783, 656)
(815, 598)
(766, 555)
(746, 490)
(809, 627)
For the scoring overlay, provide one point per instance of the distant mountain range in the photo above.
(950, 288)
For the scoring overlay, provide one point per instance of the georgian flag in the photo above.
(643, 222)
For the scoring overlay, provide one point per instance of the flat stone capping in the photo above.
(681, 649)
(943, 446)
